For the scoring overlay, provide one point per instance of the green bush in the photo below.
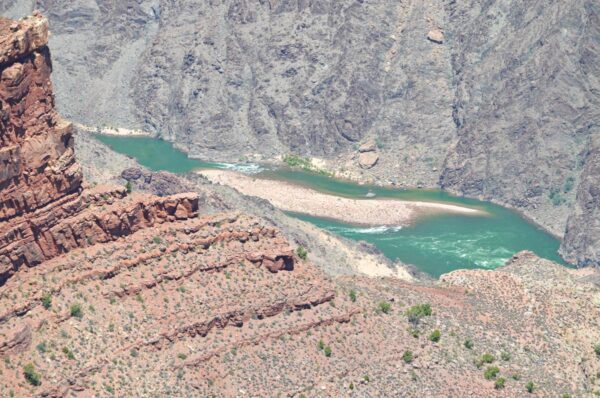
(487, 358)
(76, 310)
(569, 184)
(505, 356)
(302, 252)
(468, 344)
(327, 351)
(416, 312)
(128, 187)
(34, 378)
(555, 197)
(499, 384)
(352, 296)
(297, 161)
(47, 300)
(530, 387)
(42, 347)
(384, 307)
(407, 356)
(491, 372)
(303, 163)
(435, 336)
(68, 353)
(597, 349)
(320, 345)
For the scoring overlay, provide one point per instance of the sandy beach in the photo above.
(120, 131)
(295, 198)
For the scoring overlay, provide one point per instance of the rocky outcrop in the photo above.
(37, 163)
(44, 211)
(581, 244)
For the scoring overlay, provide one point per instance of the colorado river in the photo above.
(435, 243)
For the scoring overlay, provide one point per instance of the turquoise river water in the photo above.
(435, 244)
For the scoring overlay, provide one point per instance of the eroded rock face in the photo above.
(581, 244)
(37, 163)
(44, 211)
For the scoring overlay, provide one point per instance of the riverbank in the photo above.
(295, 198)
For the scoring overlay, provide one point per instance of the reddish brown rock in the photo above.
(43, 211)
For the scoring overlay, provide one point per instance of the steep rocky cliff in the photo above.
(581, 244)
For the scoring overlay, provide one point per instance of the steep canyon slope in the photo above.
(105, 292)
(503, 105)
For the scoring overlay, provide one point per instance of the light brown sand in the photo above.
(295, 198)
(120, 131)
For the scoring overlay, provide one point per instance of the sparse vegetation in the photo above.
(384, 307)
(416, 312)
(42, 347)
(47, 300)
(76, 310)
(353, 296)
(327, 351)
(468, 344)
(407, 356)
(555, 197)
(302, 252)
(320, 345)
(487, 358)
(435, 336)
(128, 187)
(491, 372)
(569, 184)
(68, 353)
(303, 163)
(32, 377)
(530, 387)
(505, 356)
(499, 384)
(597, 349)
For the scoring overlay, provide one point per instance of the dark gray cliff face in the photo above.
(581, 244)
(526, 83)
(502, 109)
(311, 77)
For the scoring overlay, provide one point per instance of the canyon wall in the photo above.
(493, 99)
(106, 292)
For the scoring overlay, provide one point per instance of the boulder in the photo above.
(436, 36)
(368, 146)
(367, 160)
(131, 174)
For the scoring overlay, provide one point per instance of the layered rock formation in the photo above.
(44, 211)
(109, 293)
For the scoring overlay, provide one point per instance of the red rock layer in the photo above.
(37, 163)
(43, 212)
